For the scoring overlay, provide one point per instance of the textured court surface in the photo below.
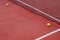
(17, 23)
(49, 6)
(49, 9)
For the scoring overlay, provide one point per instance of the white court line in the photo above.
(47, 34)
(38, 10)
(44, 14)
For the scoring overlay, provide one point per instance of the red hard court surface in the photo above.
(17, 23)
(50, 7)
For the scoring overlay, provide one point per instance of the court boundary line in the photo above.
(40, 11)
(46, 35)
(44, 14)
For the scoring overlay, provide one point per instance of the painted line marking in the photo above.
(44, 14)
(47, 34)
(38, 10)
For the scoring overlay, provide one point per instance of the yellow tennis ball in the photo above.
(48, 24)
